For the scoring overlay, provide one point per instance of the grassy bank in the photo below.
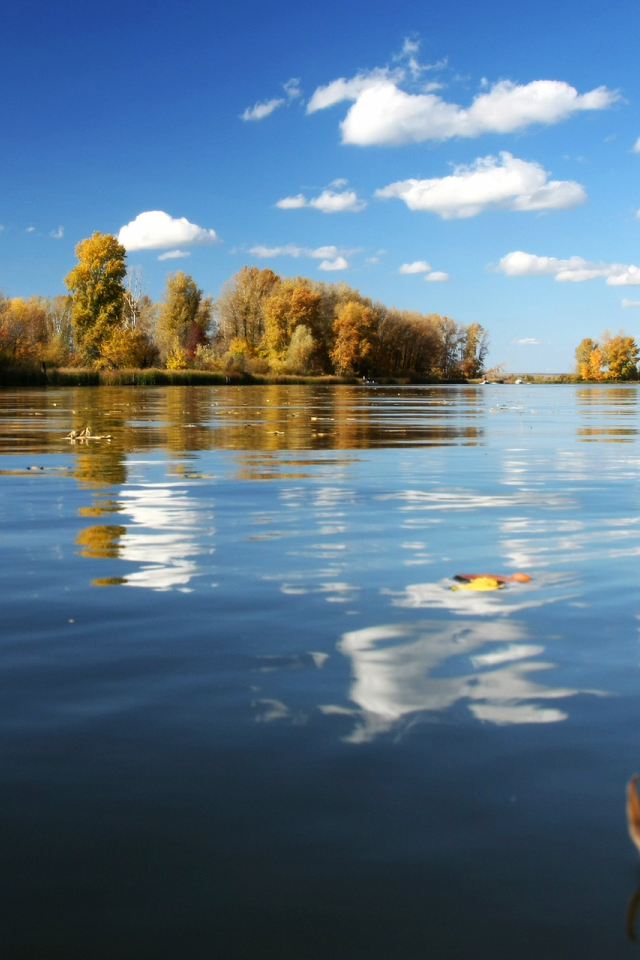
(76, 377)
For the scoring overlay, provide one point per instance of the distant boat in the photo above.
(519, 380)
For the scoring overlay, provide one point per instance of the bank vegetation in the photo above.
(261, 326)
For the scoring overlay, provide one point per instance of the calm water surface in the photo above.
(245, 716)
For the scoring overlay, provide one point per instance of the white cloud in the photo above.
(488, 183)
(293, 250)
(436, 276)
(338, 264)
(630, 303)
(293, 203)
(420, 266)
(340, 182)
(154, 230)
(331, 202)
(328, 202)
(372, 260)
(292, 88)
(339, 90)
(527, 342)
(262, 109)
(636, 146)
(573, 269)
(174, 254)
(57, 234)
(383, 113)
(30, 230)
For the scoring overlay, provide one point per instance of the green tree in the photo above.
(97, 294)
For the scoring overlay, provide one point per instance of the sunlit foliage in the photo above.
(184, 320)
(97, 295)
(613, 358)
(260, 324)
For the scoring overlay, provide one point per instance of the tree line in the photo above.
(261, 323)
(610, 358)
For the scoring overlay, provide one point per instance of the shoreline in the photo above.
(156, 377)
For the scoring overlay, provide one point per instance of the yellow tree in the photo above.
(97, 294)
(24, 330)
(239, 310)
(583, 357)
(355, 330)
(595, 370)
(184, 318)
(290, 306)
(620, 354)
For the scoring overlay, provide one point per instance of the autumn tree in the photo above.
(301, 350)
(289, 306)
(138, 322)
(451, 339)
(355, 329)
(620, 354)
(184, 319)
(613, 358)
(240, 308)
(474, 346)
(97, 294)
(583, 357)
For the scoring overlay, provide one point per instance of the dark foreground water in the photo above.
(245, 716)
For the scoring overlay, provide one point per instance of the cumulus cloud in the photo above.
(338, 264)
(263, 108)
(293, 203)
(154, 230)
(436, 276)
(383, 113)
(30, 230)
(328, 202)
(57, 234)
(419, 266)
(333, 258)
(636, 146)
(573, 269)
(489, 183)
(630, 303)
(342, 89)
(174, 254)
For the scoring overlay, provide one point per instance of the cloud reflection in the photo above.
(398, 673)
(163, 536)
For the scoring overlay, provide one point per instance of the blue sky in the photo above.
(477, 160)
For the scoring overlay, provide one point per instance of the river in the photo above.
(248, 712)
